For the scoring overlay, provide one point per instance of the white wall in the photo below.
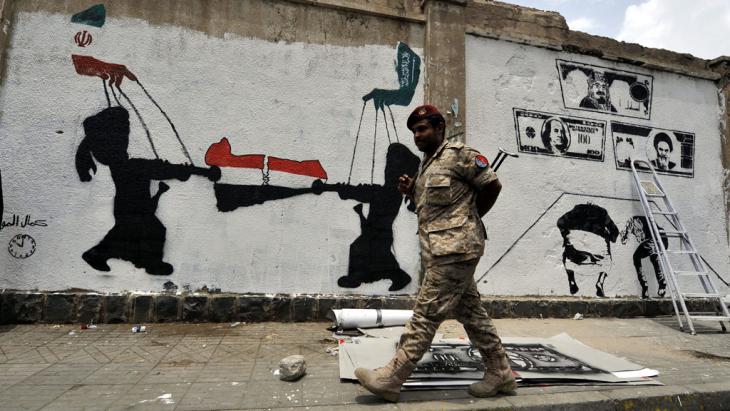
(296, 101)
(302, 102)
(526, 248)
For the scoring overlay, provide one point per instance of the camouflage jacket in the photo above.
(445, 191)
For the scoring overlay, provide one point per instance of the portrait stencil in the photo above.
(601, 89)
(559, 135)
(669, 152)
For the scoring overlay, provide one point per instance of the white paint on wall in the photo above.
(296, 101)
(525, 248)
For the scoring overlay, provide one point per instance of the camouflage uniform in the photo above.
(451, 236)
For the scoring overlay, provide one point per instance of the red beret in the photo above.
(423, 112)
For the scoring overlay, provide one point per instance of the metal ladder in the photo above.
(652, 188)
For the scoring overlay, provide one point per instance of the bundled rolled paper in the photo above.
(349, 318)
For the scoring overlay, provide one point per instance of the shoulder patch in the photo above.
(481, 161)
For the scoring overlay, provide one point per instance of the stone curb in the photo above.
(50, 307)
(708, 397)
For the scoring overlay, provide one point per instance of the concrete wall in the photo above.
(303, 204)
(514, 91)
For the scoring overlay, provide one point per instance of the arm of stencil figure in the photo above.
(487, 197)
(164, 170)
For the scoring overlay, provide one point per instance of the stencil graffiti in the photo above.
(371, 255)
(138, 236)
(638, 227)
(669, 152)
(587, 232)
(83, 38)
(408, 67)
(448, 360)
(601, 89)
(93, 16)
(559, 135)
(21, 246)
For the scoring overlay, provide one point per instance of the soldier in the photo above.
(454, 188)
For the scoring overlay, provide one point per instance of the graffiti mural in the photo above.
(371, 257)
(587, 232)
(232, 196)
(559, 135)
(601, 89)
(83, 38)
(138, 236)
(93, 16)
(638, 227)
(669, 152)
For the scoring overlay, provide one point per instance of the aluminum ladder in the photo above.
(652, 189)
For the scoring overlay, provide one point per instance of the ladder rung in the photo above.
(691, 273)
(654, 195)
(681, 252)
(673, 233)
(701, 295)
(709, 318)
(664, 212)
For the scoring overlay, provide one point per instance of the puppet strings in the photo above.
(375, 140)
(354, 149)
(106, 93)
(141, 120)
(387, 131)
(114, 94)
(392, 120)
(174, 130)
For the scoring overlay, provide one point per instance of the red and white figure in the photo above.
(83, 38)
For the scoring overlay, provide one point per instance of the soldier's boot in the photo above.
(386, 381)
(498, 376)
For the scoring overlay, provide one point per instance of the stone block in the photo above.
(569, 308)
(524, 309)
(195, 308)
(142, 308)
(281, 309)
(304, 308)
(115, 308)
(19, 308)
(324, 306)
(222, 309)
(60, 308)
(5, 310)
(373, 302)
(347, 302)
(398, 303)
(166, 308)
(88, 309)
(498, 308)
(253, 308)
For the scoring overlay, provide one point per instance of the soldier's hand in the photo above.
(405, 184)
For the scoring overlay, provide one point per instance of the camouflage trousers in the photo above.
(449, 291)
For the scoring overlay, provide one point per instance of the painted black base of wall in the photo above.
(38, 307)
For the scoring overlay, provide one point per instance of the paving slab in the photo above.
(207, 366)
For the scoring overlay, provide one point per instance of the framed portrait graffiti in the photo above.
(605, 90)
(559, 135)
(668, 151)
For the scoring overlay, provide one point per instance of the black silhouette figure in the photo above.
(371, 255)
(138, 236)
(587, 261)
(638, 226)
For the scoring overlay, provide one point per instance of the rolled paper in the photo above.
(349, 318)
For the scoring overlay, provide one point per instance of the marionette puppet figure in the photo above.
(138, 236)
(371, 254)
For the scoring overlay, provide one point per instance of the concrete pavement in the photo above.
(215, 366)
